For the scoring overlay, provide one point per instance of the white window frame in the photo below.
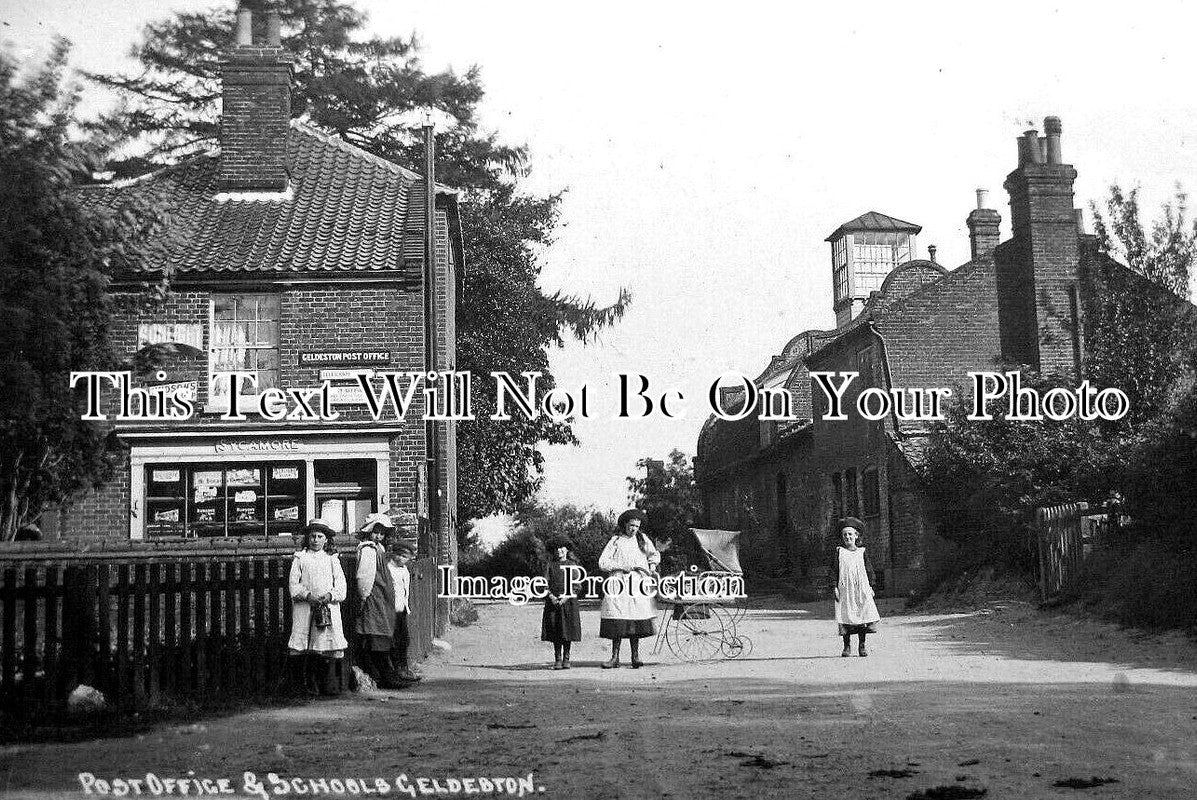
(247, 399)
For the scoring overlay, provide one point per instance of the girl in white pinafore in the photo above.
(630, 558)
(317, 582)
(855, 610)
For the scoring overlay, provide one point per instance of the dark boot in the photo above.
(847, 646)
(861, 649)
(330, 686)
(565, 656)
(296, 676)
(383, 674)
(313, 675)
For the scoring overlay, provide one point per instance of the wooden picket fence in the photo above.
(143, 630)
(1066, 535)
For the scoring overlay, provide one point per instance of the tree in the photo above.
(1137, 334)
(373, 92)
(524, 552)
(668, 495)
(57, 252)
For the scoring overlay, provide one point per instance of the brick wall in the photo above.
(341, 316)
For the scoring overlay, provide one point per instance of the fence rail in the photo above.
(1067, 534)
(141, 630)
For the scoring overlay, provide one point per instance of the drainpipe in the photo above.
(431, 351)
(889, 378)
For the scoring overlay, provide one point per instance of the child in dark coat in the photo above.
(561, 623)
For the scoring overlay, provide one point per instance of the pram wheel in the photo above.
(699, 632)
(736, 646)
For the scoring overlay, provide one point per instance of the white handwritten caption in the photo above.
(275, 785)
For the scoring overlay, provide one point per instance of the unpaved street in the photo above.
(1008, 701)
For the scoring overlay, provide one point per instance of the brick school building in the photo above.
(908, 323)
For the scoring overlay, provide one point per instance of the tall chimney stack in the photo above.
(255, 109)
(983, 224)
(1038, 270)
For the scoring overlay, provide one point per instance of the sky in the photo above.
(706, 151)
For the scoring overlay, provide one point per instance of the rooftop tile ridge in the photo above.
(308, 129)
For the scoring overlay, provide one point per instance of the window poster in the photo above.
(165, 476)
(244, 477)
(286, 513)
(212, 477)
(284, 473)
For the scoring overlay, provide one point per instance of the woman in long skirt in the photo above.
(561, 622)
(628, 605)
(855, 610)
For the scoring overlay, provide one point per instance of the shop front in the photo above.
(255, 484)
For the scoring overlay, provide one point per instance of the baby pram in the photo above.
(699, 616)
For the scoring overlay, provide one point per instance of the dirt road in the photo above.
(1009, 702)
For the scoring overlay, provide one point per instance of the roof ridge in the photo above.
(353, 150)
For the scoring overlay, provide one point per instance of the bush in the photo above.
(1146, 583)
(462, 612)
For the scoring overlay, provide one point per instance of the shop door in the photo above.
(345, 493)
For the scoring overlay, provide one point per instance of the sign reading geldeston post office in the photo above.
(362, 358)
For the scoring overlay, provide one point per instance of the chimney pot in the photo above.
(245, 27)
(931, 252)
(982, 198)
(1036, 155)
(1051, 126)
(273, 28)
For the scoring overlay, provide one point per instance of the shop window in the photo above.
(236, 499)
(244, 339)
(871, 492)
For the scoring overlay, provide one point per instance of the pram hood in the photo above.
(721, 547)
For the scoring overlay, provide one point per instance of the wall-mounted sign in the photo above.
(309, 358)
(188, 333)
(184, 390)
(257, 446)
(346, 395)
(348, 375)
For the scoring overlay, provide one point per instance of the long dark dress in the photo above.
(560, 623)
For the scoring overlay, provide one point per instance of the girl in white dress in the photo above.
(628, 612)
(855, 610)
(317, 590)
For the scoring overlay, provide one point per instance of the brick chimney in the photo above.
(983, 226)
(1038, 269)
(255, 109)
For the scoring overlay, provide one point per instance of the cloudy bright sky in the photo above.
(707, 150)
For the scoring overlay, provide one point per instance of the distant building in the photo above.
(904, 322)
(296, 257)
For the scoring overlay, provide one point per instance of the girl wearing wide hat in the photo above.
(628, 606)
(561, 622)
(855, 611)
(376, 618)
(317, 585)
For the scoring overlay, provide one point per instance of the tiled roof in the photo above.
(345, 211)
(874, 221)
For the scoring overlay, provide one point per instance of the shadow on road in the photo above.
(1022, 632)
